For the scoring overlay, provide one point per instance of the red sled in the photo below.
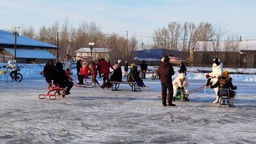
(52, 93)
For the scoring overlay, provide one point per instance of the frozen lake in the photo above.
(94, 115)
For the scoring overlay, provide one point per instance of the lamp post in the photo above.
(91, 44)
(15, 33)
(57, 41)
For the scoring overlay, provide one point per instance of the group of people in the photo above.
(217, 80)
(56, 76)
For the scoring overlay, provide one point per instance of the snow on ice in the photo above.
(94, 115)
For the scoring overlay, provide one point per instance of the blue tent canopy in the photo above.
(7, 38)
(25, 53)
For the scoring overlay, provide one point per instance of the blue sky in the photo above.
(138, 17)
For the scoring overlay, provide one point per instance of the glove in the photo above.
(235, 87)
(207, 75)
(182, 88)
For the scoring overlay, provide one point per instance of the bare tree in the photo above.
(175, 30)
(216, 39)
(204, 32)
(162, 38)
(28, 32)
(232, 44)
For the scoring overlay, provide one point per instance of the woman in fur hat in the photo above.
(217, 69)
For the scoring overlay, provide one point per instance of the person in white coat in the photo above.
(15, 68)
(68, 64)
(217, 69)
(181, 83)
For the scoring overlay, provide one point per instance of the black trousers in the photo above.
(165, 87)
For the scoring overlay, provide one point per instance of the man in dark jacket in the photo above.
(165, 72)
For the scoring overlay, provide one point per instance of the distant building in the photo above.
(154, 56)
(28, 50)
(239, 53)
(96, 53)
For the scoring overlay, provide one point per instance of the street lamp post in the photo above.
(15, 33)
(91, 44)
(57, 39)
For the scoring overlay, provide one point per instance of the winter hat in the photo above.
(217, 61)
(119, 61)
(133, 65)
(182, 75)
(165, 59)
(225, 74)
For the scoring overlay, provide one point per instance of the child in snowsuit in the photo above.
(180, 83)
(84, 72)
(224, 81)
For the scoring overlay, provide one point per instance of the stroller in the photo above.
(155, 75)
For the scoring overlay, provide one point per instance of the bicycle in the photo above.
(7, 74)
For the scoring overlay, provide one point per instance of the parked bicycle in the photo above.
(6, 73)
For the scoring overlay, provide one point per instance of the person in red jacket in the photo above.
(94, 73)
(84, 72)
(104, 69)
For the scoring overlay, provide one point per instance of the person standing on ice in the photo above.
(165, 72)
(217, 69)
(68, 64)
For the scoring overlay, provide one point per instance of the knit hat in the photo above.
(119, 61)
(225, 74)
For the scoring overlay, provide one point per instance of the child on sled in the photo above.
(180, 83)
(224, 81)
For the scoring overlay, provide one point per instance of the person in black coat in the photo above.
(165, 72)
(48, 72)
(61, 79)
(183, 68)
(78, 66)
(143, 68)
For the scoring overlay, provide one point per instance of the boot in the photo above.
(186, 99)
(50, 86)
(216, 100)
